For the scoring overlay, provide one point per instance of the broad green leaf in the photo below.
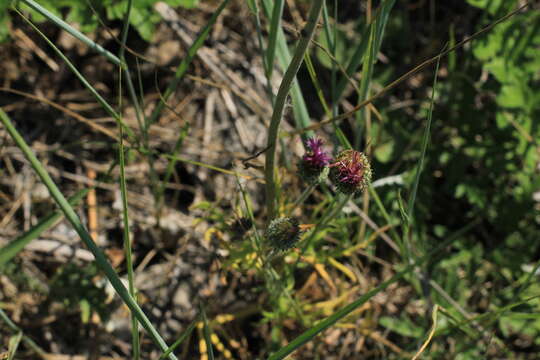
(403, 326)
(383, 152)
(512, 96)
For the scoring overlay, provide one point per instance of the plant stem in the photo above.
(279, 105)
(305, 194)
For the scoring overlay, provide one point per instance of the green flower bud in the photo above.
(283, 233)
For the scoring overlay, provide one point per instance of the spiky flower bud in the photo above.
(350, 172)
(313, 167)
(283, 233)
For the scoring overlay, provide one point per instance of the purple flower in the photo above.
(351, 171)
(315, 157)
(313, 166)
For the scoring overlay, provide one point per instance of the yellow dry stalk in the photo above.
(345, 270)
(211, 231)
(364, 244)
(223, 318)
(218, 345)
(326, 277)
(202, 347)
(328, 307)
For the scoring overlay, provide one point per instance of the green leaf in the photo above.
(86, 310)
(403, 326)
(4, 20)
(13, 345)
(512, 96)
(144, 20)
(9, 251)
(183, 3)
(383, 153)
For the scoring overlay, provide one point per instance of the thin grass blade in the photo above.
(9, 251)
(29, 342)
(379, 21)
(131, 88)
(425, 141)
(182, 68)
(331, 40)
(207, 337)
(365, 84)
(181, 339)
(135, 337)
(275, 24)
(301, 114)
(74, 32)
(279, 105)
(13, 344)
(172, 161)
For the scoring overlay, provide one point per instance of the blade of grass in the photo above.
(125, 69)
(74, 32)
(206, 332)
(356, 59)
(430, 335)
(13, 344)
(336, 316)
(409, 218)
(257, 238)
(380, 22)
(73, 218)
(135, 338)
(314, 80)
(365, 83)
(301, 114)
(208, 166)
(182, 68)
(275, 24)
(131, 89)
(181, 339)
(331, 39)
(172, 162)
(29, 342)
(487, 315)
(279, 106)
(380, 18)
(425, 141)
(254, 7)
(9, 251)
(171, 88)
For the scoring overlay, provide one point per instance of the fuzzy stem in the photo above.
(279, 105)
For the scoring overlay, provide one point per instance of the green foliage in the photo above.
(4, 20)
(479, 168)
(75, 287)
(86, 13)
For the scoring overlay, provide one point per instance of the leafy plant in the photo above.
(76, 288)
(465, 155)
(86, 14)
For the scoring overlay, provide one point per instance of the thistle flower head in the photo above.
(315, 156)
(313, 166)
(283, 233)
(350, 171)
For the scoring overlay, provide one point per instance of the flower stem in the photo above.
(279, 105)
